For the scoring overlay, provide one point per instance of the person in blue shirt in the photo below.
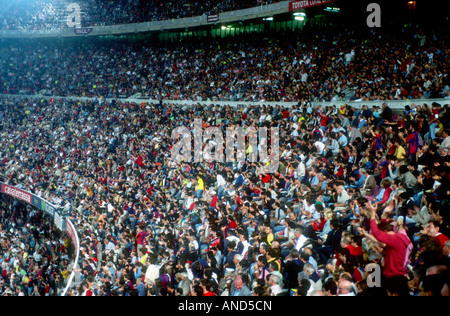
(313, 178)
(239, 181)
(239, 288)
(362, 122)
(343, 141)
(140, 287)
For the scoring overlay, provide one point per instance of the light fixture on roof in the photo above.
(412, 5)
(332, 9)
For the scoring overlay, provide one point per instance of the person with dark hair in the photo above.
(434, 280)
(259, 291)
(397, 244)
(407, 177)
(332, 244)
(206, 285)
(386, 115)
(293, 265)
(197, 290)
(445, 290)
(368, 187)
(397, 286)
(229, 264)
(434, 231)
(303, 288)
(348, 261)
(329, 287)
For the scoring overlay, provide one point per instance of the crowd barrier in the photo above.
(59, 219)
(397, 105)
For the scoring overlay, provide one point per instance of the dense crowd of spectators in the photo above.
(401, 64)
(34, 256)
(53, 14)
(354, 187)
(358, 190)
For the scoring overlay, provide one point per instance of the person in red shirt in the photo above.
(86, 290)
(323, 119)
(397, 244)
(214, 201)
(434, 231)
(139, 161)
(231, 223)
(266, 178)
(206, 285)
(141, 238)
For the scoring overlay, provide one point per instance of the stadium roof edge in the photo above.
(174, 24)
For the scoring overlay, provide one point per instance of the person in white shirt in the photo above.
(301, 239)
(320, 147)
(301, 171)
(445, 145)
(194, 242)
(221, 185)
(274, 285)
(188, 202)
(286, 153)
(152, 273)
(37, 256)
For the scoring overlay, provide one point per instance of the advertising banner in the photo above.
(212, 18)
(49, 209)
(83, 30)
(60, 222)
(37, 202)
(17, 193)
(29, 198)
(303, 4)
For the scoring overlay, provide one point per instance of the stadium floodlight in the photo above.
(268, 19)
(299, 18)
(300, 14)
(412, 5)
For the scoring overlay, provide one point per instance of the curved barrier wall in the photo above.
(60, 221)
(393, 104)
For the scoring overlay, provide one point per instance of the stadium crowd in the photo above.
(354, 187)
(34, 256)
(53, 14)
(408, 63)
